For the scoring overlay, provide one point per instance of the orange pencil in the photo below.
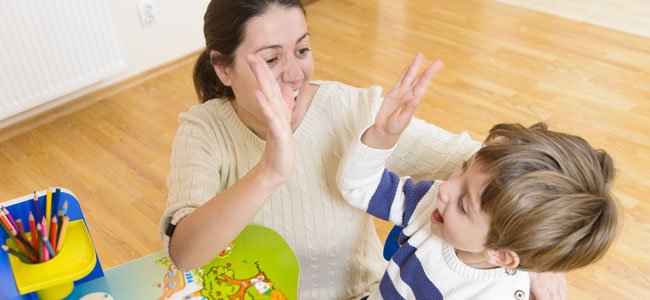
(64, 226)
(32, 230)
(53, 230)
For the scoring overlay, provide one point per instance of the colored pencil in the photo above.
(59, 219)
(9, 217)
(53, 230)
(37, 208)
(43, 231)
(19, 255)
(21, 229)
(48, 207)
(32, 230)
(24, 245)
(65, 208)
(5, 220)
(55, 201)
(64, 226)
(47, 244)
(41, 253)
(5, 225)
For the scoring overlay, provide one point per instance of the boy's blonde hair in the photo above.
(549, 197)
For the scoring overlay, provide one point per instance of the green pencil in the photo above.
(20, 256)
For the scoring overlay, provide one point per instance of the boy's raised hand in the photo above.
(399, 105)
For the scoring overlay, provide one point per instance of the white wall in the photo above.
(176, 32)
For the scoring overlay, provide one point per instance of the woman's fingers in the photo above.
(277, 100)
(264, 76)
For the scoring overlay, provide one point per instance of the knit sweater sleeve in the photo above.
(365, 183)
(194, 175)
(426, 151)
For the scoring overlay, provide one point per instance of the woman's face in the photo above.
(280, 37)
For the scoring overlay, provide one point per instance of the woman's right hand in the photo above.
(280, 150)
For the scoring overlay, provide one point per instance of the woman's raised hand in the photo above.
(399, 104)
(280, 150)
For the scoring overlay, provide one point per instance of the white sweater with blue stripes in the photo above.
(424, 266)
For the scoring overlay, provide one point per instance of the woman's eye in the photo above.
(271, 61)
(303, 51)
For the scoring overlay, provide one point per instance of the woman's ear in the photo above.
(503, 258)
(222, 72)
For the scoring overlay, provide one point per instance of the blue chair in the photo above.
(391, 245)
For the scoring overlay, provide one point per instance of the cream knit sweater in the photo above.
(336, 245)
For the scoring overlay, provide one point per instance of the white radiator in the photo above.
(49, 48)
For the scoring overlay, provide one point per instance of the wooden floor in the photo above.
(502, 64)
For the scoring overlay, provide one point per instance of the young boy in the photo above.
(530, 199)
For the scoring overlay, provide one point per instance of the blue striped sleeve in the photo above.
(384, 196)
(413, 193)
(386, 193)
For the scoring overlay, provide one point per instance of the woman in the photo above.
(270, 158)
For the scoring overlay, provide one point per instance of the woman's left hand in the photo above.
(548, 286)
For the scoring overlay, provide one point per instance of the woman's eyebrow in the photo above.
(280, 46)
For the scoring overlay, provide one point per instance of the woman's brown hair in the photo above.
(224, 27)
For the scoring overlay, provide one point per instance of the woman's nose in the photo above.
(292, 72)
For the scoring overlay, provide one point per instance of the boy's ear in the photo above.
(223, 72)
(503, 258)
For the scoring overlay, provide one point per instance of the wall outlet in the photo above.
(147, 11)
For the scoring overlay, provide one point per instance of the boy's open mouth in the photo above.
(436, 217)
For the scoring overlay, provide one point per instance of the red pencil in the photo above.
(32, 230)
(53, 230)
